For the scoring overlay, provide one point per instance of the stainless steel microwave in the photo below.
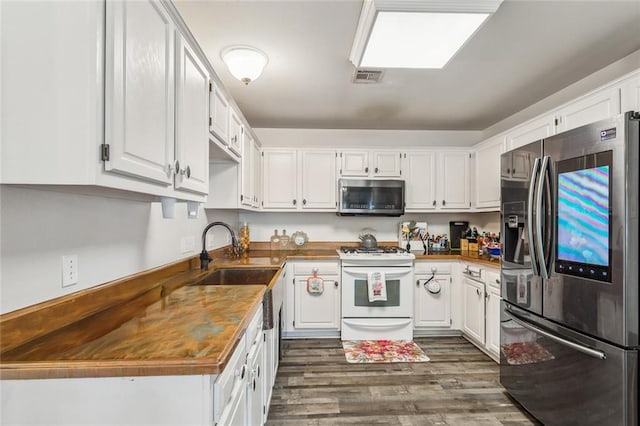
(371, 197)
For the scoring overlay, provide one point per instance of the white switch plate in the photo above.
(69, 270)
(187, 244)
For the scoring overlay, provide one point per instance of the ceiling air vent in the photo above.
(367, 76)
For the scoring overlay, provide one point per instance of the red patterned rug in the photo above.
(360, 351)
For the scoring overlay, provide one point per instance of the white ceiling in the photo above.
(525, 52)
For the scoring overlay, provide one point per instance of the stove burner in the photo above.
(378, 249)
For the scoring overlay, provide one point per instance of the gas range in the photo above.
(379, 255)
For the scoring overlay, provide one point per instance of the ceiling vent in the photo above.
(367, 76)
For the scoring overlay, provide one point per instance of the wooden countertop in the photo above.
(153, 323)
(193, 330)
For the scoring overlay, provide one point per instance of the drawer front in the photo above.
(492, 278)
(438, 268)
(323, 268)
(235, 374)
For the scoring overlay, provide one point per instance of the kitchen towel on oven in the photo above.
(376, 284)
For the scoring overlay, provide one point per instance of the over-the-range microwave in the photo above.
(370, 197)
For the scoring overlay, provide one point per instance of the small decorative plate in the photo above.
(299, 239)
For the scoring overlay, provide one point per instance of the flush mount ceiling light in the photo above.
(245, 63)
(416, 33)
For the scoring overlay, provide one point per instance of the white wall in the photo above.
(330, 227)
(355, 138)
(113, 238)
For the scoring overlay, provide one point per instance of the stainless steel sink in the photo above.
(239, 276)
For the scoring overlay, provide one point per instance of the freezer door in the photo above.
(565, 378)
(521, 281)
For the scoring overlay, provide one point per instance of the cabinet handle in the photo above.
(417, 283)
(177, 167)
(508, 171)
(335, 284)
(169, 169)
(376, 170)
(186, 172)
(258, 371)
(497, 281)
(366, 170)
(478, 292)
(254, 384)
(295, 202)
(434, 203)
(243, 371)
(304, 201)
(444, 203)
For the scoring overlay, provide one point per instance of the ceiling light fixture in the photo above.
(245, 63)
(416, 33)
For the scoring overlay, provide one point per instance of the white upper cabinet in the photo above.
(386, 163)
(139, 94)
(236, 130)
(219, 113)
(453, 181)
(630, 94)
(531, 131)
(192, 116)
(420, 185)
(112, 111)
(364, 163)
(354, 163)
(256, 170)
(318, 179)
(588, 109)
(486, 172)
(280, 178)
(247, 185)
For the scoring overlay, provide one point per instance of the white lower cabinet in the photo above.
(481, 309)
(432, 296)
(309, 311)
(255, 387)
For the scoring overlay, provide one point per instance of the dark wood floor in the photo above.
(459, 386)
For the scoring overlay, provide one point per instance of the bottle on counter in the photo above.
(284, 240)
(244, 237)
(275, 241)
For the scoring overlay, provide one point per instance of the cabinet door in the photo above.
(487, 174)
(420, 174)
(473, 309)
(453, 181)
(318, 169)
(248, 171)
(255, 387)
(139, 94)
(597, 106)
(235, 414)
(492, 324)
(433, 303)
(386, 163)
(354, 163)
(532, 131)
(256, 170)
(630, 94)
(317, 310)
(236, 130)
(192, 117)
(219, 112)
(280, 179)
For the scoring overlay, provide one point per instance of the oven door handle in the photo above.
(580, 348)
(369, 325)
(358, 272)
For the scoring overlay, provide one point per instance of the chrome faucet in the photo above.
(204, 255)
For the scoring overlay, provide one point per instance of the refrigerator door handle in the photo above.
(580, 348)
(544, 272)
(530, 238)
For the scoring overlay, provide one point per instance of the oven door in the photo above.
(355, 295)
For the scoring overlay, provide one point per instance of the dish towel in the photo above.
(377, 286)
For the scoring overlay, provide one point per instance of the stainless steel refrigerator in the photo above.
(569, 320)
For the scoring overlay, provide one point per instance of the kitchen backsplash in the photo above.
(330, 227)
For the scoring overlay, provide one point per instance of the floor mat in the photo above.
(361, 351)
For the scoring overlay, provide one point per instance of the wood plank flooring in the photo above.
(459, 386)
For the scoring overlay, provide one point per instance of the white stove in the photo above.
(364, 319)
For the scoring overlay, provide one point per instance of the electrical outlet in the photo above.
(70, 274)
